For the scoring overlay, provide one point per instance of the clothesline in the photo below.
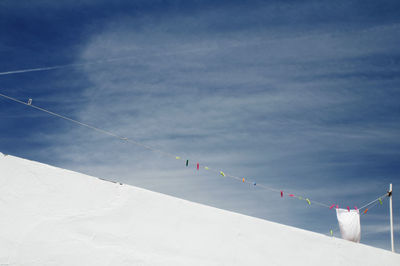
(219, 172)
(375, 200)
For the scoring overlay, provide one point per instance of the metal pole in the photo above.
(391, 216)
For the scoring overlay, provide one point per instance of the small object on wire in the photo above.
(206, 167)
(337, 206)
(291, 195)
(333, 205)
(222, 173)
(124, 138)
(29, 101)
(243, 179)
(281, 194)
(365, 211)
(300, 198)
(348, 208)
(198, 166)
(331, 232)
(308, 201)
(380, 201)
(177, 157)
(255, 183)
(355, 207)
(187, 163)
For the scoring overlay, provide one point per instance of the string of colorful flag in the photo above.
(242, 179)
(282, 192)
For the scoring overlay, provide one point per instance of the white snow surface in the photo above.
(52, 216)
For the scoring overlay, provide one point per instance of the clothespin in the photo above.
(331, 232)
(206, 167)
(355, 207)
(365, 210)
(291, 195)
(337, 206)
(333, 205)
(29, 101)
(348, 208)
(187, 163)
(281, 194)
(177, 157)
(380, 201)
(243, 179)
(222, 173)
(308, 201)
(198, 166)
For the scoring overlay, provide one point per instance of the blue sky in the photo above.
(298, 95)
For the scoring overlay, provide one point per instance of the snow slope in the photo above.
(52, 216)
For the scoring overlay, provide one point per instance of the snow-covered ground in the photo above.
(52, 216)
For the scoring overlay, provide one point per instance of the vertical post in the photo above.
(391, 216)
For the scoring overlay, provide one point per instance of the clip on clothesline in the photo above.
(29, 103)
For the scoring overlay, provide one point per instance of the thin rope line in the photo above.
(86, 125)
(244, 180)
(375, 200)
(373, 206)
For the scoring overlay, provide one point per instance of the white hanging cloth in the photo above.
(349, 224)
